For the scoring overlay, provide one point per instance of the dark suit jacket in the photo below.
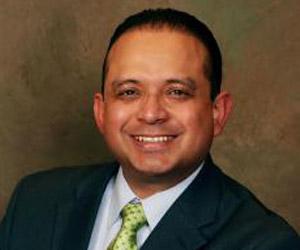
(55, 210)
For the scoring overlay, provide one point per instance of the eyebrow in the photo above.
(120, 82)
(185, 81)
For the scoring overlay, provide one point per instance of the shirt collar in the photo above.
(155, 206)
(121, 195)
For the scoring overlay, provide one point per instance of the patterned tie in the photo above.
(133, 218)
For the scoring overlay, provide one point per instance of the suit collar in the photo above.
(96, 180)
(201, 199)
(82, 208)
(197, 215)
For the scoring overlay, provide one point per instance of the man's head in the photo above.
(156, 112)
(174, 20)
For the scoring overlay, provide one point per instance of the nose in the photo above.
(152, 111)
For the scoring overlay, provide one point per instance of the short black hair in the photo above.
(174, 20)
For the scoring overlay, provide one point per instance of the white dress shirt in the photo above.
(117, 194)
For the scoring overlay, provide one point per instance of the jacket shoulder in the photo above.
(56, 181)
(251, 225)
(35, 201)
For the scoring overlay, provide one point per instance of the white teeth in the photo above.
(153, 139)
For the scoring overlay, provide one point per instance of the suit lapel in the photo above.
(195, 217)
(76, 216)
(174, 232)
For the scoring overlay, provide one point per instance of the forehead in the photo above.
(147, 42)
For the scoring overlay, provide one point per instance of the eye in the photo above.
(179, 93)
(128, 93)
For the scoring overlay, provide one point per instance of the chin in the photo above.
(152, 167)
(144, 164)
(155, 168)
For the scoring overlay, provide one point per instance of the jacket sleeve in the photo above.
(287, 240)
(7, 223)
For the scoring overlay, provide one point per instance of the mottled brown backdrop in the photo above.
(50, 55)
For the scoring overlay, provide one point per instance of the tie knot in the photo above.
(133, 216)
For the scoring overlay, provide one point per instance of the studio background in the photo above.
(51, 53)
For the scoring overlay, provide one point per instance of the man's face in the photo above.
(156, 114)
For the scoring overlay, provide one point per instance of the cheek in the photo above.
(199, 127)
(196, 118)
(116, 116)
(200, 131)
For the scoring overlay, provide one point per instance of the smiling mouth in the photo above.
(154, 139)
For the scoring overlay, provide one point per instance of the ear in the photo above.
(222, 107)
(99, 111)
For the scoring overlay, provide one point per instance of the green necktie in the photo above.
(133, 218)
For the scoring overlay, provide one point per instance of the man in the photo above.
(159, 110)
